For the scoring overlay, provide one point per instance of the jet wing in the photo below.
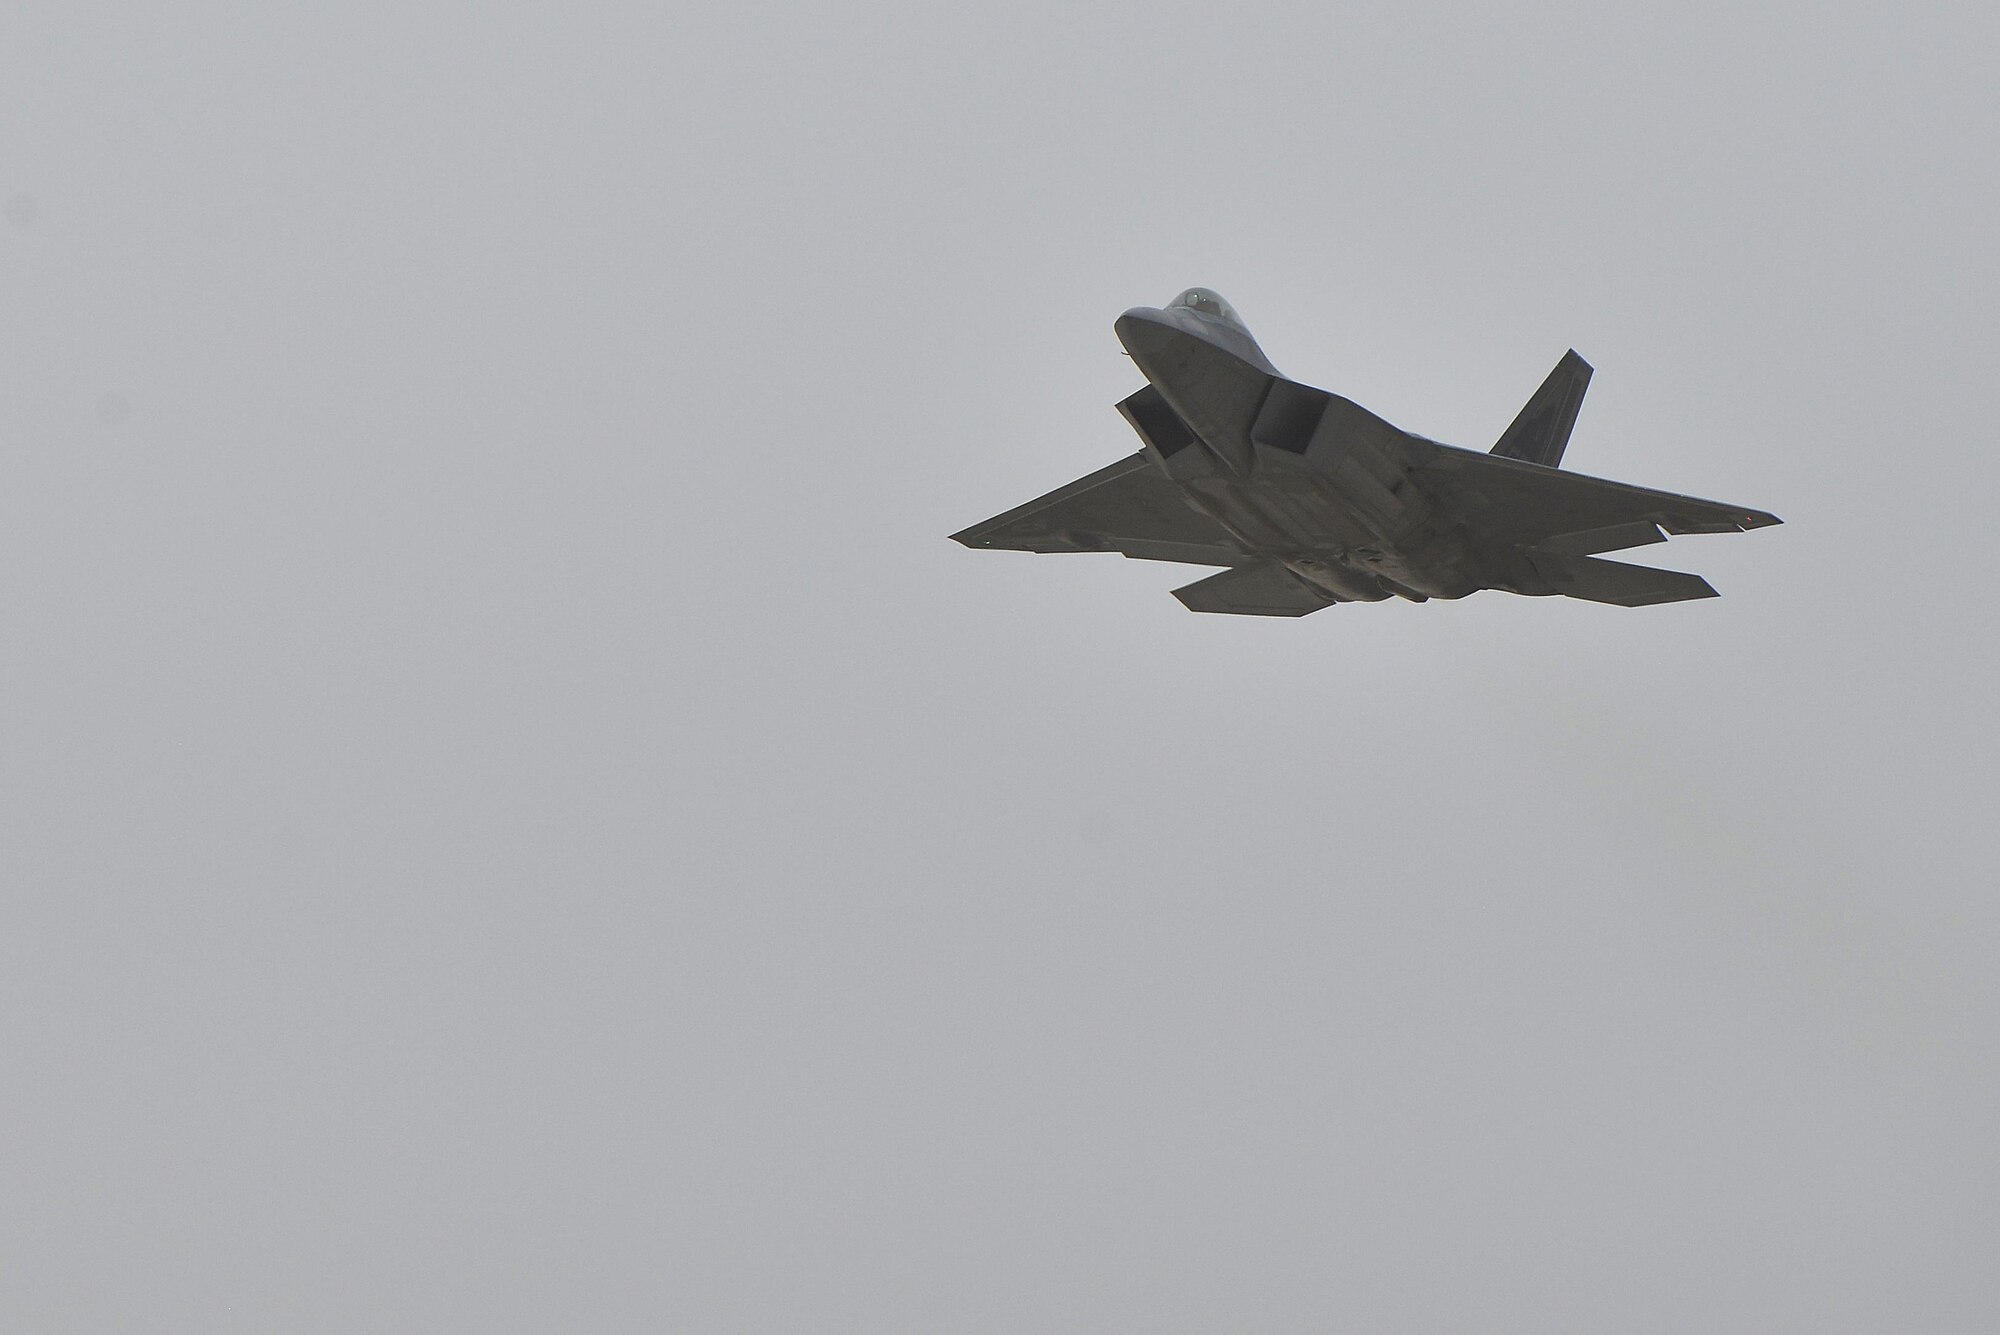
(1530, 505)
(1130, 507)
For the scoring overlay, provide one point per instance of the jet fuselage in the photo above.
(1359, 542)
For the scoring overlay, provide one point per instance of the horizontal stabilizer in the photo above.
(1541, 433)
(1257, 591)
(1600, 581)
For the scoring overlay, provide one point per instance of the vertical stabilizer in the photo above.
(1541, 432)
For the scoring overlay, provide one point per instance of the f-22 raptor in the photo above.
(1311, 500)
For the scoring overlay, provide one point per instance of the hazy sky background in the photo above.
(515, 818)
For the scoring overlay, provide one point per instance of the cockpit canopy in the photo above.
(1208, 303)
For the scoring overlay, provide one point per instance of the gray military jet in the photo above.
(1312, 500)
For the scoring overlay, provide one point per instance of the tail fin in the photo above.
(1540, 433)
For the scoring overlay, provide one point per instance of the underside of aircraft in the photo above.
(1308, 499)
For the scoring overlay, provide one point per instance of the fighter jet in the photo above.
(1311, 500)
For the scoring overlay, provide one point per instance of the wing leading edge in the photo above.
(1128, 507)
(1532, 506)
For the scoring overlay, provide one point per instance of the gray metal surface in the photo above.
(1316, 500)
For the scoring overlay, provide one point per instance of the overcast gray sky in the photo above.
(515, 818)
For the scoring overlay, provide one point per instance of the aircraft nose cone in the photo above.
(1145, 329)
